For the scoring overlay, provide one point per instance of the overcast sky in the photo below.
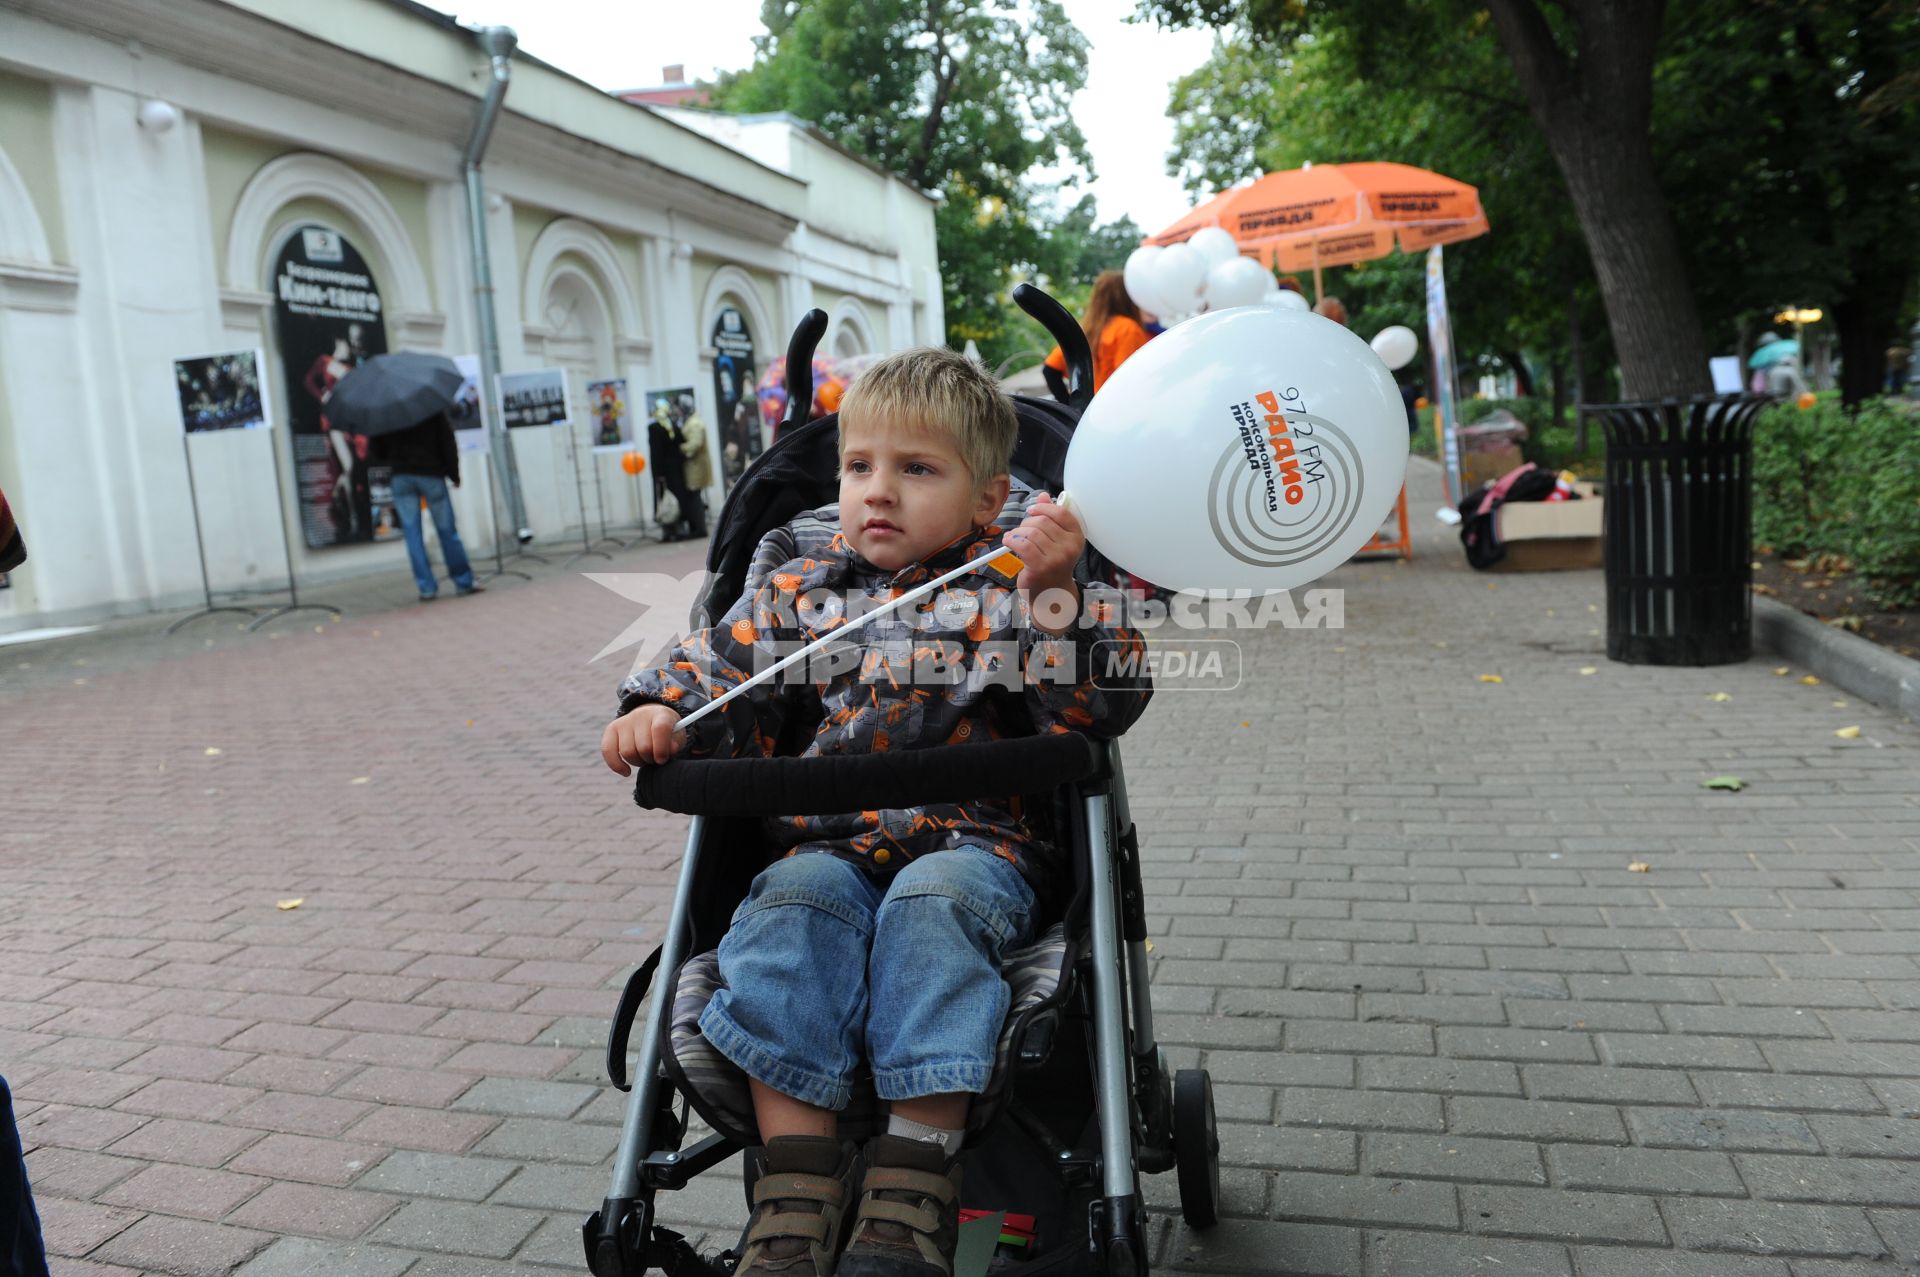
(1122, 110)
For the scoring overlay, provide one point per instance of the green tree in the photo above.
(1585, 70)
(964, 99)
(1526, 289)
(1786, 133)
(1776, 134)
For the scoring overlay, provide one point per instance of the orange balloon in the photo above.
(830, 396)
(1806, 400)
(1420, 404)
(633, 462)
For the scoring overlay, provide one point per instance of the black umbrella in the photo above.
(391, 392)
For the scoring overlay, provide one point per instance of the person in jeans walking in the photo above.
(425, 459)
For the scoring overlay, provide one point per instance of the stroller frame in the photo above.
(1145, 1121)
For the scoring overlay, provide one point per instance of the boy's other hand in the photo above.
(648, 734)
(1049, 540)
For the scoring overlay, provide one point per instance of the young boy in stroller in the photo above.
(876, 940)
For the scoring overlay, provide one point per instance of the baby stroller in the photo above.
(1081, 1101)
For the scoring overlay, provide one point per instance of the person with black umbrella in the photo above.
(425, 459)
(400, 402)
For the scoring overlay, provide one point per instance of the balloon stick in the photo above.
(1013, 565)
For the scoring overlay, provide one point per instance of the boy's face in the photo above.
(906, 493)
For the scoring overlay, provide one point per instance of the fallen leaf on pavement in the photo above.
(1724, 782)
(212, 752)
(1639, 867)
(1839, 704)
(1848, 733)
(1782, 669)
(1810, 681)
(294, 903)
(1719, 696)
(1491, 678)
(360, 780)
(1589, 669)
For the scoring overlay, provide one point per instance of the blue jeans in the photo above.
(826, 968)
(407, 491)
(21, 1251)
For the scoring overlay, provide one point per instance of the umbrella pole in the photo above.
(1317, 292)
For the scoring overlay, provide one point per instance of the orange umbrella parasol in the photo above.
(1338, 214)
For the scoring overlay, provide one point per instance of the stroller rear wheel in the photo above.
(1196, 1148)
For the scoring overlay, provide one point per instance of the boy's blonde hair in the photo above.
(937, 390)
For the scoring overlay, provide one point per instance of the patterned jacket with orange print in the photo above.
(963, 666)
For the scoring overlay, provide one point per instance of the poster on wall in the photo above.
(220, 392)
(468, 411)
(667, 414)
(327, 318)
(535, 398)
(612, 420)
(741, 439)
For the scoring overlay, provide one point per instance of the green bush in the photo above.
(1830, 483)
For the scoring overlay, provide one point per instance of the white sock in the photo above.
(908, 1129)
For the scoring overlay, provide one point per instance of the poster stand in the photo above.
(600, 507)
(500, 567)
(200, 544)
(293, 603)
(586, 550)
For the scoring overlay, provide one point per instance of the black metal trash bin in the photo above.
(1679, 530)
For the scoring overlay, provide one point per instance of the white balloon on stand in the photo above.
(1214, 244)
(1139, 277)
(1286, 299)
(1396, 346)
(1178, 276)
(1238, 281)
(1247, 449)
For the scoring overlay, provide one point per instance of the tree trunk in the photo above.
(1579, 372)
(1867, 322)
(1594, 108)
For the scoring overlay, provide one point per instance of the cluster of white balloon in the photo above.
(1206, 272)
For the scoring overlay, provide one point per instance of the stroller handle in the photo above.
(826, 784)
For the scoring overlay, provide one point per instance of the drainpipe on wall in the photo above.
(498, 44)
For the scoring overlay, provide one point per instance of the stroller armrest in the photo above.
(826, 784)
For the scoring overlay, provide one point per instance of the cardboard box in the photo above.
(1549, 536)
(1477, 468)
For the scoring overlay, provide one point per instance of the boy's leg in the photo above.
(795, 964)
(794, 961)
(939, 1000)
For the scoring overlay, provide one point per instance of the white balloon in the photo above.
(1139, 273)
(1396, 346)
(1248, 449)
(1286, 299)
(1238, 281)
(1178, 277)
(1215, 245)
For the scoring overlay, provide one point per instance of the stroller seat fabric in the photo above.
(717, 1088)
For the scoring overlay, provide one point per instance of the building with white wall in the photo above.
(622, 240)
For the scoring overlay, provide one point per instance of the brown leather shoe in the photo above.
(909, 1218)
(800, 1205)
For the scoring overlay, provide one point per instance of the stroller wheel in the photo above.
(1196, 1148)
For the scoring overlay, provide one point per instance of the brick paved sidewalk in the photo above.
(1451, 1031)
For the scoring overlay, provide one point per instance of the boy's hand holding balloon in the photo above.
(1049, 542)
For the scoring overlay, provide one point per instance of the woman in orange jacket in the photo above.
(1113, 329)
